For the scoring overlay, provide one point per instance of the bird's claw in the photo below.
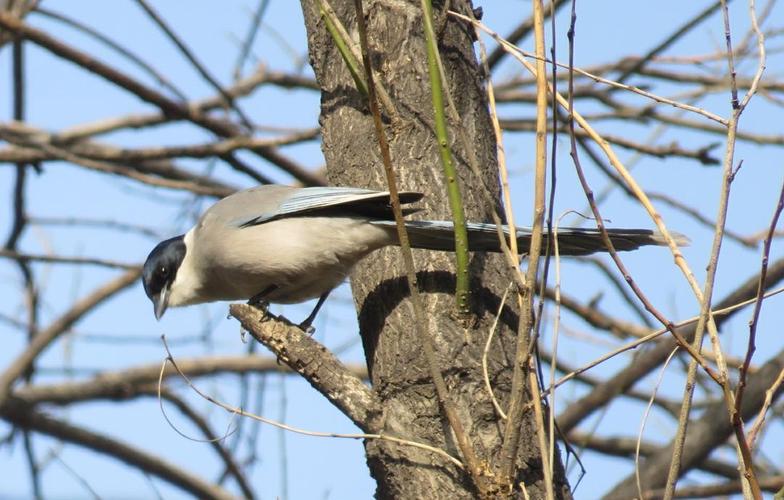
(307, 328)
(261, 305)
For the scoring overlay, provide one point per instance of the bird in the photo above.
(285, 244)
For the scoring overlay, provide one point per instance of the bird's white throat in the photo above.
(184, 290)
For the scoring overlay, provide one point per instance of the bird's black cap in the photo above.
(160, 269)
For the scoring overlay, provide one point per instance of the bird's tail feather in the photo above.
(439, 235)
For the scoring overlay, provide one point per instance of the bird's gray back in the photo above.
(242, 206)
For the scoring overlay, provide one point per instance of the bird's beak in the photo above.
(160, 302)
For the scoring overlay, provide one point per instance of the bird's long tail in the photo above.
(440, 235)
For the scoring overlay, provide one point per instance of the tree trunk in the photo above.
(394, 354)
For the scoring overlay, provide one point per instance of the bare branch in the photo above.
(706, 432)
(315, 363)
(220, 127)
(25, 417)
(58, 259)
(651, 359)
(627, 446)
(132, 382)
(45, 337)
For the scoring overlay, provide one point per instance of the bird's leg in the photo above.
(260, 301)
(306, 325)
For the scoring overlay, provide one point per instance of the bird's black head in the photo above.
(159, 272)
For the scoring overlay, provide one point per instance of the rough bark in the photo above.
(398, 370)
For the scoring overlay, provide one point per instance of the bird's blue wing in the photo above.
(308, 200)
(314, 198)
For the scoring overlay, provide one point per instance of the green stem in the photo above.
(450, 173)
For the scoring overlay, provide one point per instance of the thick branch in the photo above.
(315, 363)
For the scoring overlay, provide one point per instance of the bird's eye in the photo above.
(162, 271)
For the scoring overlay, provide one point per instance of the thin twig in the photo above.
(115, 46)
(356, 53)
(253, 29)
(655, 216)
(760, 420)
(485, 353)
(59, 259)
(211, 189)
(96, 223)
(521, 31)
(522, 363)
(756, 311)
(239, 411)
(512, 49)
(644, 419)
(191, 57)
(636, 343)
(220, 127)
(744, 453)
(129, 383)
(104, 152)
(214, 441)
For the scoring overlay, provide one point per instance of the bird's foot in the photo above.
(261, 301)
(306, 327)
(261, 305)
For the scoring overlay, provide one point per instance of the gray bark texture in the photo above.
(398, 370)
